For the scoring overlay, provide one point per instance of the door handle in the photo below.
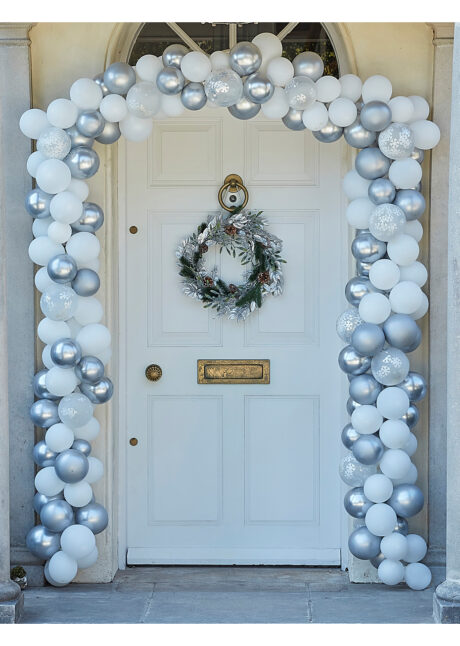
(153, 372)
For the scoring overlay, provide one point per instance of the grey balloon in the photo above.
(364, 389)
(412, 416)
(40, 499)
(293, 119)
(170, 80)
(110, 134)
(244, 109)
(368, 339)
(40, 389)
(44, 413)
(308, 64)
(414, 385)
(353, 363)
(91, 219)
(349, 436)
(65, 353)
(90, 370)
(381, 191)
(357, 136)
(77, 139)
(363, 544)
(71, 466)
(377, 560)
(83, 162)
(43, 455)
(86, 282)
(62, 268)
(42, 542)
(82, 445)
(368, 449)
(329, 133)
(258, 88)
(375, 116)
(366, 248)
(418, 155)
(411, 202)
(371, 163)
(407, 500)
(57, 515)
(363, 268)
(355, 502)
(90, 123)
(402, 526)
(193, 96)
(98, 393)
(402, 332)
(173, 55)
(99, 79)
(351, 406)
(38, 203)
(356, 288)
(245, 58)
(119, 77)
(93, 516)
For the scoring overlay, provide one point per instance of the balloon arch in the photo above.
(385, 296)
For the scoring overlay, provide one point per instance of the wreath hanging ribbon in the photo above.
(241, 233)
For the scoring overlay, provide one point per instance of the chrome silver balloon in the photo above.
(119, 77)
(418, 155)
(98, 393)
(62, 268)
(308, 64)
(356, 288)
(371, 163)
(40, 389)
(353, 363)
(349, 436)
(357, 136)
(170, 80)
(414, 385)
(412, 416)
(110, 134)
(258, 88)
(351, 405)
(368, 339)
(173, 55)
(38, 203)
(43, 455)
(93, 516)
(71, 466)
(347, 323)
(91, 219)
(57, 515)
(293, 119)
(90, 370)
(193, 96)
(375, 116)
(411, 202)
(82, 445)
(40, 499)
(244, 109)
(329, 133)
(363, 268)
(364, 389)
(99, 79)
(377, 560)
(355, 502)
(407, 500)
(245, 58)
(86, 282)
(90, 123)
(401, 331)
(381, 191)
(402, 526)
(65, 353)
(363, 544)
(77, 139)
(42, 542)
(83, 162)
(44, 413)
(366, 248)
(368, 449)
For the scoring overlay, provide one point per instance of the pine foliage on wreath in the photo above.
(242, 234)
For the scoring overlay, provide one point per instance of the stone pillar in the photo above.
(447, 595)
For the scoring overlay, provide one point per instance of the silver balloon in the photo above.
(329, 133)
(357, 136)
(414, 385)
(401, 331)
(119, 77)
(363, 268)
(411, 202)
(98, 393)
(91, 219)
(368, 339)
(57, 515)
(193, 96)
(244, 109)
(86, 282)
(77, 139)
(170, 80)
(42, 542)
(349, 436)
(364, 389)
(245, 58)
(99, 79)
(366, 248)
(418, 155)
(375, 116)
(412, 416)
(363, 544)
(407, 500)
(351, 405)
(82, 445)
(308, 64)
(43, 455)
(110, 134)
(38, 203)
(93, 516)
(90, 370)
(353, 363)
(397, 141)
(83, 162)
(258, 88)
(347, 323)
(354, 473)
(71, 466)
(65, 353)
(402, 526)
(355, 502)
(62, 268)
(356, 288)
(173, 55)
(371, 163)
(381, 191)
(377, 560)
(44, 413)
(40, 389)
(40, 499)
(90, 123)
(390, 366)
(293, 119)
(368, 449)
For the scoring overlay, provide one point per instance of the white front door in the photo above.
(226, 474)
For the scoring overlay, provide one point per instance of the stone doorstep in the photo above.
(12, 611)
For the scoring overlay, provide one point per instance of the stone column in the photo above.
(447, 595)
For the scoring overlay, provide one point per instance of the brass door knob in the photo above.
(133, 441)
(153, 372)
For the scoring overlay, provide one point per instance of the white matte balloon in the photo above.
(366, 419)
(418, 576)
(380, 519)
(414, 228)
(378, 488)
(426, 134)
(62, 113)
(83, 246)
(277, 106)
(391, 572)
(42, 280)
(47, 481)
(59, 232)
(95, 471)
(355, 186)
(77, 541)
(410, 447)
(374, 308)
(135, 129)
(402, 109)
(59, 437)
(61, 381)
(328, 89)
(93, 338)
(46, 357)
(62, 568)
(280, 70)
(196, 66)
(384, 274)
(66, 207)
(422, 310)
(78, 494)
(394, 546)
(270, 47)
(86, 94)
(148, 67)
(172, 105)
(405, 173)
(394, 433)
(315, 116)
(409, 478)
(40, 226)
(342, 112)
(395, 463)
(89, 310)
(358, 212)
(351, 86)
(50, 331)
(79, 187)
(33, 122)
(416, 548)
(392, 402)
(33, 162)
(377, 88)
(89, 431)
(89, 560)
(421, 108)
(406, 297)
(53, 176)
(113, 108)
(403, 249)
(220, 61)
(42, 249)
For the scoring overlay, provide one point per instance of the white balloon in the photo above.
(62, 568)
(402, 109)
(378, 488)
(405, 173)
(406, 297)
(79, 187)
(410, 477)
(104, 355)
(78, 494)
(421, 108)
(172, 106)
(33, 162)
(355, 186)
(351, 86)
(391, 572)
(88, 560)
(377, 88)
(384, 274)
(46, 357)
(220, 61)
(47, 482)
(426, 134)
(148, 67)
(394, 546)
(403, 249)
(416, 548)
(42, 249)
(61, 381)
(395, 463)
(89, 431)
(40, 226)
(62, 113)
(276, 107)
(89, 310)
(143, 99)
(270, 47)
(418, 576)
(95, 471)
(196, 66)
(315, 116)
(33, 122)
(74, 326)
(77, 541)
(66, 207)
(328, 88)
(113, 108)
(415, 229)
(380, 519)
(358, 212)
(366, 419)
(93, 338)
(59, 232)
(422, 310)
(59, 437)
(53, 176)
(86, 94)
(135, 129)
(410, 447)
(374, 308)
(392, 402)
(42, 280)
(50, 331)
(394, 433)
(280, 70)
(342, 112)
(83, 246)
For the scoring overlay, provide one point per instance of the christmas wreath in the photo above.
(241, 233)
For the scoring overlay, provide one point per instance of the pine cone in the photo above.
(231, 230)
(208, 281)
(263, 277)
(203, 248)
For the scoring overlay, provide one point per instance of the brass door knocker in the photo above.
(232, 184)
